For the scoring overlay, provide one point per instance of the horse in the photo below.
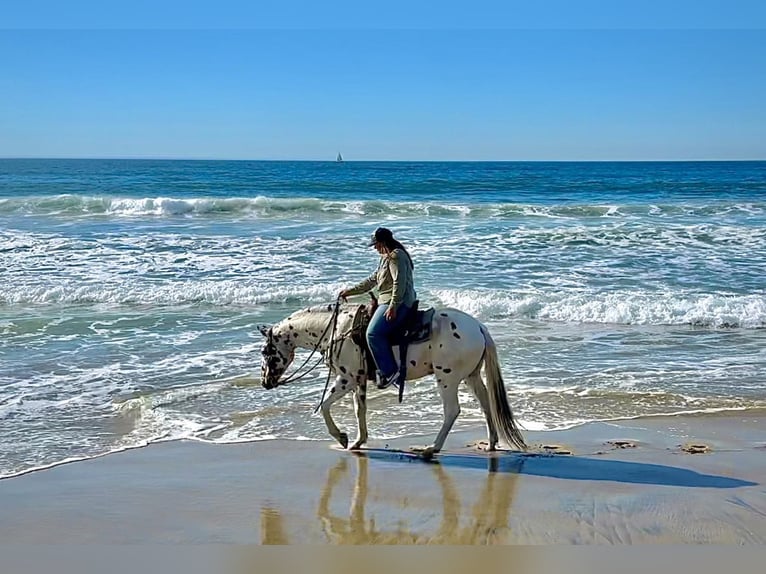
(458, 348)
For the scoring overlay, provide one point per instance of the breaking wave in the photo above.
(279, 207)
(607, 307)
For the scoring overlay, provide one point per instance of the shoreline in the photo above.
(693, 479)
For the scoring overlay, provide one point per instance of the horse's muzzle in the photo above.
(269, 383)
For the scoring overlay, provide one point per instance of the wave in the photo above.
(279, 207)
(616, 307)
(606, 307)
(215, 293)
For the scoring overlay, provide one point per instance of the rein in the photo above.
(330, 348)
(297, 375)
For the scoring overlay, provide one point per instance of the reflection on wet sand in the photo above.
(388, 519)
(272, 527)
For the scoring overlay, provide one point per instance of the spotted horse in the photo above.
(459, 347)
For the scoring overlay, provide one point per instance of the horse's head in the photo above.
(276, 355)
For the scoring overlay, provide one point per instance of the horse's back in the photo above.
(456, 321)
(455, 347)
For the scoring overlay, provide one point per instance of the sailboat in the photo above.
(339, 158)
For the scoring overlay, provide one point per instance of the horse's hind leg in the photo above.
(448, 392)
(476, 385)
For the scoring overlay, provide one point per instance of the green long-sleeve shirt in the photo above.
(393, 280)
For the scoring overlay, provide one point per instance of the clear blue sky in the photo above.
(378, 86)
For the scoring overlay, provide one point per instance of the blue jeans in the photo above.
(379, 332)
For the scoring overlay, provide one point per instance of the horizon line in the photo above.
(211, 159)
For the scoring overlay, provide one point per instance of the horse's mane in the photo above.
(328, 308)
(321, 313)
(322, 309)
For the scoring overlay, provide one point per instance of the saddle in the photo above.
(416, 328)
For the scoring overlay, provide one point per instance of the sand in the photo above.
(665, 480)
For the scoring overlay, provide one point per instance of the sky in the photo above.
(287, 80)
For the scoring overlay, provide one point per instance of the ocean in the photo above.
(130, 291)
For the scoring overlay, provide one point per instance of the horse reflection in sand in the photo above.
(485, 523)
(272, 527)
(459, 347)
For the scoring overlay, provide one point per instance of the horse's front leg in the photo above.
(360, 408)
(448, 393)
(341, 386)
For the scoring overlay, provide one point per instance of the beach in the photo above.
(663, 480)
(132, 292)
(625, 300)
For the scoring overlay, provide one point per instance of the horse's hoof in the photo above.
(357, 445)
(424, 452)
(428, 453)
(343, 440)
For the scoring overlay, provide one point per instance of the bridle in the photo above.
(297, 375)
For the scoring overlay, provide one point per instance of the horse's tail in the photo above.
(500, 410)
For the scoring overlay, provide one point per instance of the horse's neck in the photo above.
(311, 325)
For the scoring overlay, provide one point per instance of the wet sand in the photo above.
(692, 479)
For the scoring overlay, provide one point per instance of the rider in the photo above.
(393, 280)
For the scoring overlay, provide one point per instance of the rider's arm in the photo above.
(396, 265)
(363, 286)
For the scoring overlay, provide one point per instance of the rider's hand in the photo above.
(390, 313)
(343, 294)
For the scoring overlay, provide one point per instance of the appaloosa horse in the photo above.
(458, 348)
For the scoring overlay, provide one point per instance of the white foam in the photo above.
(278, 207)
(615, 307)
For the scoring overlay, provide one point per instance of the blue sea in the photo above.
(130, 291)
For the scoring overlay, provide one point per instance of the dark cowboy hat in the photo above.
(380, 235)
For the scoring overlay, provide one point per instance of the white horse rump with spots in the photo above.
(458, 348)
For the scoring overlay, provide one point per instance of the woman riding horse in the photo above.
(393, 279)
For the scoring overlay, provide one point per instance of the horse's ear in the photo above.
(264, 329)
